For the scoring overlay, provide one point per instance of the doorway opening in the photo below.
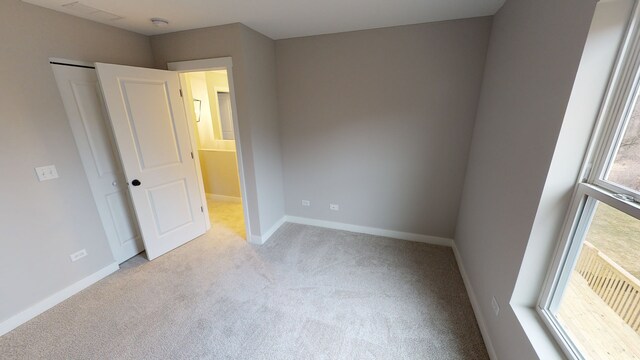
(138, 132)
(208, 101)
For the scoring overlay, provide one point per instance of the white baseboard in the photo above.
(261, 239)
(434, 240)
(223, 198)
(484, 331)
(53, 300)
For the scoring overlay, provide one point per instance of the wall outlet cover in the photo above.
(47, 172)
(78, 255)
(334, 207)
(306, 203)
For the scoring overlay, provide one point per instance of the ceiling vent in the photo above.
(90, 12)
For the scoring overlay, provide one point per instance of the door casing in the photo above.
(223, 63)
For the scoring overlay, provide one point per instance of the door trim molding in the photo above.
(223, 63)
(55, 299)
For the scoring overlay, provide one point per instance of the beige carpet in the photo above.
(309, 293)
(227, 216)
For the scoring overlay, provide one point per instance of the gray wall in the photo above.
(606, 33)
(41, 223)
(253, 70)
(380, 122)
(534, 53)
(260, 67)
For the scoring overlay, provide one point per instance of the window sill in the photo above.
(537, 332)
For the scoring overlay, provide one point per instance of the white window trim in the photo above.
(612, 120)
(584, 201)
(616, 110)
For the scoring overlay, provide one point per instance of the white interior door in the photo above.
(82, 100)
(152, 136)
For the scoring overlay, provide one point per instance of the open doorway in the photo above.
(146, 176)
(209, 107)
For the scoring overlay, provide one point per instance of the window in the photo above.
(591, 299)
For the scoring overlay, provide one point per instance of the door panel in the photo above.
(81, 96)
(170, 203)
(151, 131)
(121, 211)
(87, 99)
(154, 127)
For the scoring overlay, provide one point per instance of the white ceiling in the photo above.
(278, 19)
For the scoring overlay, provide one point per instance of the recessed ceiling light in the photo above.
(158, 22)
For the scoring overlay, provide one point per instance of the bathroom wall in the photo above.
(198, 84)
(217, 157)
(220, 173)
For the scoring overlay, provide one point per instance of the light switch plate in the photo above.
(47, 172)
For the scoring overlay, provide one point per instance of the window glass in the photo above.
(625, 167)
(600, 307)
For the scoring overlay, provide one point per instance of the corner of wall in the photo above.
(482, 324)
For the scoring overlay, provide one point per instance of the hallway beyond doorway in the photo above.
(227, 217)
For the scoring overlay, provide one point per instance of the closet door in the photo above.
(151, 131)
(82, 100)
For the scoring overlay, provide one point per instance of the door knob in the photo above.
(115, 184)
(136, 182)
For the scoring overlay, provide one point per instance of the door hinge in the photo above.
(201, 209)
(192, 154)
(180, 92)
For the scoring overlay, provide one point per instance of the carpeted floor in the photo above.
(227, 216)
(309, 293)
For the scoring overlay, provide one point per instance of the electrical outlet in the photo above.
(78, 255)
(494, 305)
(334, 207)
(306, 203)
(46, 172)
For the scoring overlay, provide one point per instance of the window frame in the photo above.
(580, 215)
(622, 93)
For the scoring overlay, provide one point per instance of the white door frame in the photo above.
(223, 63)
